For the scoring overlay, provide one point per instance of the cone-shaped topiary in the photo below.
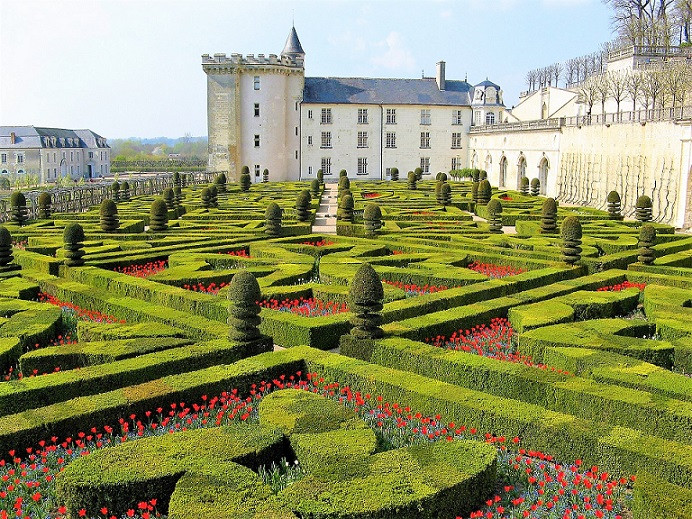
(243, 312)
(125, 191)
(614, 206)
(372, 219)
(343, 173)
(419, 173)
(115, 189)
(245, 170)
(365, 297)
(177, 181)
(206, 198)
(220, 182)
(495, 216)
(265, 175)
(441, 176)
(411, 180)
(158, 216)
(438, 192)
(476, 175)
(647, 239)
(5, 249)
(345, 211)
(320, 176)
(273, 220)
(394, 174)
(178, 192)
(344, 183)
(549, 216)
(643, 212)
(474, 191)
(169, 198)
(571, 240)
(44, 205)
(303, 205)
(214, 195)
(73, 240)
(445, 194)
(245, 182)
(485, 191)
(535, 186)
(524, 185)
(108, 213)
(19, 214)
(315, 187)
(482, 175)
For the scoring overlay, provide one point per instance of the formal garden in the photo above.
(452, 351)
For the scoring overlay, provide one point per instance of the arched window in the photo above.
(489, 165)
(521, 170)
(4, 172)
(543, 175)
(503, 171)
(490, 118)
(544, 111)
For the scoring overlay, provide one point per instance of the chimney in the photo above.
(13, 138)
(441, 75)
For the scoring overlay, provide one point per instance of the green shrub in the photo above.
(474, 191)
(303, 205)
(158, 216)
(115, 189)
(320, 177)
(5, 248)
(206, 198)
(344, 185)
(343, 173)
(125, 191)
(177, 181)
(571, 240)
(315, 187)
(245, 181)
(365, 296)
(647, 239)
(549, 216)
(394, 174)
(535, 186)
(419, 173)
(214, 195)
(220, 181)
(345, 210)
(44, 205)
(73, 239)
(169, 198)
(265, 175)
(614, 206)
(644, 209)
(495, 216)
(411, 180)
(524, 186)
(178, 192)
(484, 192)
(243, 313)
(272, 217)
(372, 218)
(108, 213)
(19, 213)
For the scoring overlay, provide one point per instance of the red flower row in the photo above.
(495, 271)
(82, 313)
(321, 243)
(145, 270)
(310, 307)
(622, 286)
(413, 289)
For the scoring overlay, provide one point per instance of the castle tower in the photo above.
(253, 111)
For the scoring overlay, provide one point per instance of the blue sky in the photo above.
(133, 67)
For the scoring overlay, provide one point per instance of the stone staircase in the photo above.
(325, 217)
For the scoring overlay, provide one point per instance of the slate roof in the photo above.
(332, 90)
(293, 45)
(31, 136)
(487, 83)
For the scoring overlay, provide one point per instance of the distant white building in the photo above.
(51, 153)
(264, 113)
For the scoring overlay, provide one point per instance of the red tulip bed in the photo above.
(79, 312)
(321, 243)
(622, 286)
(239, 253)
(531, 484)
(310, 307)
(495, 271)
(493, 340)
(212, 288)
(368, 196)
(413, 290)
(145, 270)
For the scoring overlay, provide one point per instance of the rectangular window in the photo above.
(309, 170)
(326, 116)
(77, 155)
(309, 114)
(456, 140)
(296, 131)
(391, 115)
(257, 141)
(425, 116)
(388, 172)
(425, 164)
(390, 141)
(326, 140)
(257, 83)
(296, 106)
(91, 154)
(362, 116)
(425, 140)
(296, 154)
(477, 118)
(490, 118)
(362, 139)
(456, 163)
(3, 158)
(326, 166)
(257, 170)
(309, 140)
(20, 159)
(256, 109)
(54, 159)
(362, 166)
(456, 116)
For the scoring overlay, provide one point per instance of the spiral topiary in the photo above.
(345, 211)
(474, 191)
(445, 194)
(476, 175)
(214, 195)
(243, 312)
(571, 240)
(315, 187)
(303, 205)
(178, 192)
(485, 191)
(158, 216)
(206, 198)
(419, 173)
(245, 182)
(365, 296)
(320, 176)
(647, 239)
(115, 189)
(169, 198)
(19, 214)
(220, 182)
(265, 175)
(438, 192)
(644, 210)
(73, 242)
(482, 175)
(524, 186)
(108, 213)
(441, 176)
(614, 206)
(343, 173)
(273, 216)
(535, 186)
(177, 181)
(394, 174)
(44, 205)
(495, 216)
(125, 191)
(5, 249)
(372, 219)
(344, 183)
(411, 181)
(549, 216)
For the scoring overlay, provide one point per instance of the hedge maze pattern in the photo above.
(501, 362)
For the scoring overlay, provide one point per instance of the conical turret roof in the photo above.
(293, 45)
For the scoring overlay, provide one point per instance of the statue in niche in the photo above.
(478, 96)
(499, 97)
(491, 96)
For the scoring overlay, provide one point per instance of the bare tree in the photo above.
(644, 22)
(633, 85)
(682, 14)
(572, 71)
(652, 86)
(602, 86)
(617, 87)
(588, 94)
(557, 70)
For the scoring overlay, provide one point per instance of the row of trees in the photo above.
(652, 22)
(667, 86)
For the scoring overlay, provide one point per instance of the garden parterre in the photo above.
(491, 342)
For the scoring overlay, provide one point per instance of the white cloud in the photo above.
(395, 54)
